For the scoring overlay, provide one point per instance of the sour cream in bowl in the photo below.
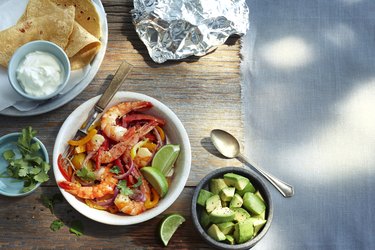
(39, 70)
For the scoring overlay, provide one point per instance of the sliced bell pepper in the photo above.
(155, 199)
(133, 151)
(161, 132)
(98, 158)
(137, 117)
(64, 169)
(85, 139)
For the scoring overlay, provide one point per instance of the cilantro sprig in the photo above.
(26, 163)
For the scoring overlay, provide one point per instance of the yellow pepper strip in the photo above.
(84, 140)
(133, 151)
(80, 149)
(150, 146)
(155, 199)
(161, 132)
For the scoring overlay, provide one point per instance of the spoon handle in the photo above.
(284, 188)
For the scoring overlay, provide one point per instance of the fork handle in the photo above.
(121, 73)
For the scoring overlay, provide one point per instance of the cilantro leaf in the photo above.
(50, 202)
(115, 169)
(86, 174)
(139, 182)
(124, 189)
(41, 177)
(8, 155)
(56, 225)
(76, 228)
(26, 162)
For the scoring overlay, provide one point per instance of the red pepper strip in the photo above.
(131, 180)
(98, 158)
(64, 172)
(137, 117)
(118, 163)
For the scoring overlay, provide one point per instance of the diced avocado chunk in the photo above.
(215, 233)
(204, 219)
(258, 225)
(253, 203)
(261, 216)
(235, 180)
(236, 201)
(240, 214)
(259, 195)
(221, 215)
(203, 196)
(216, 185)
(249, 188)
(212, 203)
(226, 227)
(243, 231)
(226, 194)
(229, 239)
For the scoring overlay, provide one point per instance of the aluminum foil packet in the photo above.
(176, 29)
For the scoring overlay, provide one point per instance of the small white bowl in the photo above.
(39, 45)
(176, 135)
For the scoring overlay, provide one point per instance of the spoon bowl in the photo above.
(229, 146)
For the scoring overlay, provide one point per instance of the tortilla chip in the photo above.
(82, 47)
(86, 15)
(55, 28)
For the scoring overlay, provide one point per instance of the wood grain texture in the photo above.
(204, 92)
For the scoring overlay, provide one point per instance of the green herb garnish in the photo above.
(30, 167)
(56, 225)
(139, 182)
(115, 169)
(76, 228)
(86, 174)
(124, 189)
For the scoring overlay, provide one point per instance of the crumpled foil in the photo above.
(176, 29)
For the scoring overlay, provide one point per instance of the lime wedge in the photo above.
(166, 157)
(169, 226)
(156, 179)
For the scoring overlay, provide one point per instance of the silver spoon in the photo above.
(228, 146)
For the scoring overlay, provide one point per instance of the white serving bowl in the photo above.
(176, 135)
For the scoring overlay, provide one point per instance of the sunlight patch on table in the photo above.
(287, 53)
(340, 35)
(347, 144)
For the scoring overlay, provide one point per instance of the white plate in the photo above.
(176, 134)
(63, 99)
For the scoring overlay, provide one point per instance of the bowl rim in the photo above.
(45, 156)
(24, 49)
(256, 181)
(104, 216)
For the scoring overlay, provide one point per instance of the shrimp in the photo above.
(130, 139)
(131, 207)
(108, 121)
(106, 186)
(128, 206)
(94, 144)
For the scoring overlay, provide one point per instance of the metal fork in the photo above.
(120, 75)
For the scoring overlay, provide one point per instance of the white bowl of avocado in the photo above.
(232, 208)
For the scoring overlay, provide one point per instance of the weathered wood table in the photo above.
(205, 93)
